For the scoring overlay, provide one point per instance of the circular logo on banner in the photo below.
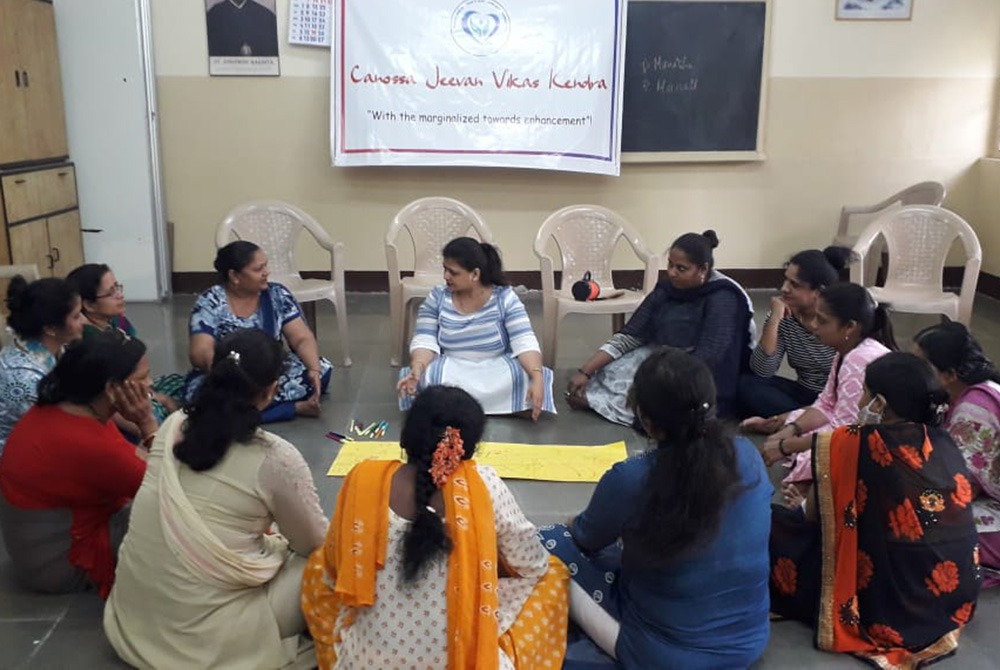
(480, 27)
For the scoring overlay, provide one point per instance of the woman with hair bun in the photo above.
(786, 332)
(202, 581)
(244, 298)
(473, 332)
(973, 421)
(431, 563)
(67, 475)
(697, 309)
(45, 316)
(883, 557)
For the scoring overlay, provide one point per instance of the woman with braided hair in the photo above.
(973, 421)
(669, 560)
(202, 579)
(431, 563)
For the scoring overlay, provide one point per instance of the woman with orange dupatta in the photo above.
(883, 557)
(431, 563)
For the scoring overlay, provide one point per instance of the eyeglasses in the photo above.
(116, 290)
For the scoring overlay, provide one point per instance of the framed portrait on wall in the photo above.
(242, 38)
(874, 10)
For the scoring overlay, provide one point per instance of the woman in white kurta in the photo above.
(201, 581)
(473, 332)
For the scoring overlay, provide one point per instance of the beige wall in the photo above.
(856, 110)
(988, 214)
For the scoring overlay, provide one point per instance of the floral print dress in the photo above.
(22, 366)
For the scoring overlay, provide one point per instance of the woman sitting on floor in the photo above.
(973, 421)
(245, 299)
(669, 560)
(883, 557)
(201, 583)
(786, 332)
(850, 321)
(696, 309)
(44, 317)
(474, 333)
(67, 475)
(104, 308)
(431, 563)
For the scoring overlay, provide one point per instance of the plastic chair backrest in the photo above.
(918, 238)
(586, 236)
(431, 223)
(274, 226)
(923, 193)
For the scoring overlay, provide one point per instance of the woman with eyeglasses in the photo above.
(103, 300)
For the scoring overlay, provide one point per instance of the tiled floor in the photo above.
(65, 631)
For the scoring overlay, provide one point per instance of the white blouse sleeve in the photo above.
(290, 493)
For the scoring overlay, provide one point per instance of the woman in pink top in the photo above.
(848, 319)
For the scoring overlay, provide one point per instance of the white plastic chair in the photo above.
(430, 223)
(275, 227)
(8, 272)
(924, 193)
(586, 236)
(918, 238)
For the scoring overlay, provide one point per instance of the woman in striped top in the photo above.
(473, 332)
(762, 392)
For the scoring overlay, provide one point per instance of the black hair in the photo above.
(86, 279)
(950, 347)
(821, 268)
(87, 366)
(36, 306)
(224, 408)
(695, 473)
(909, 385)
(234, 256)
(698, 247)
(851, 302)
(434, 410)
(471, 254)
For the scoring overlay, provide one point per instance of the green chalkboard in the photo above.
(694, 79)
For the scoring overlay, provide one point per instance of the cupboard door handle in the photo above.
(24, 78)
(20, 181)
(62, 174)
(56, 256)
(52, 262)
(17, 78)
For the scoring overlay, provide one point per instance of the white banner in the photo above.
(512, 83)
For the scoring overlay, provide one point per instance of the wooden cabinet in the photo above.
(32, 122)
(41, 218)
(38, 203)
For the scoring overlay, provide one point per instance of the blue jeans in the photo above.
(770, 396)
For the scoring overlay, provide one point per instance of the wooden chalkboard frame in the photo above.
(719, 156)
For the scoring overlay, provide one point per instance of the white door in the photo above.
(107, 76)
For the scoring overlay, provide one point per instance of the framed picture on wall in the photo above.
(242, 38)
(874, 10)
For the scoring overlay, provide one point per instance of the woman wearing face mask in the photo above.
(697, 309)
(886, 547)
(973, 421)
(786, 332)
(850, 321)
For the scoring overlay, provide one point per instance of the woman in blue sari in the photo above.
(244, 298)
(696, 309)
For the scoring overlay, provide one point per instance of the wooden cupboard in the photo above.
(42, 219)
(38, 199)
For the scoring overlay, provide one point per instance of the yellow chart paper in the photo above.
(546, 462)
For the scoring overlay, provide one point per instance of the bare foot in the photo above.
(307, 408)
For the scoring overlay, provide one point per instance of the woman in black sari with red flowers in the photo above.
(883, 557)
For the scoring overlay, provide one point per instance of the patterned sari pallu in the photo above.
(343, 573)
(896, 549)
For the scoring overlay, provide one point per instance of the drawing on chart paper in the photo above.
(875, 10)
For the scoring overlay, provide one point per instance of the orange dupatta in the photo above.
(343, 571)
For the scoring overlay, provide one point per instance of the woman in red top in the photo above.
(67, 475)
